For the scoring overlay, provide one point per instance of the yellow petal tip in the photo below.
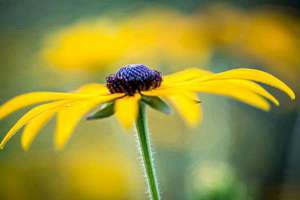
(290, 93)
(293, 95)
(276, 102)
(25, 148)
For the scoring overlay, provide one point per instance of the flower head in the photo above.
(134, 78)
(127, 88)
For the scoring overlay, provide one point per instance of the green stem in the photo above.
(145, 150)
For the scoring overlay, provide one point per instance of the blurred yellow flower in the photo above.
(163, 36)
(166, 37)
(128, 87)
(223, 25)
(273, 38)
(98, 172)
(101, 177)
(269, 36)
(85, 46)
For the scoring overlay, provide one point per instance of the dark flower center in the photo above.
(133, 78)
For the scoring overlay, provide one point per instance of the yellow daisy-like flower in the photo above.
(131, 85)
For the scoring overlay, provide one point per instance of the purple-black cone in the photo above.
(133, 78)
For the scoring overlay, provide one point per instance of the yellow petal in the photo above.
(24, 100)
(68, 118)
(164, 91)
(169, 83)
(238, 93)
(94, 88)
(34, 126)
(256, 88)
(238, 85)
(126, 110)
(185, 75)
(29, 116)
(187, 107)
(254, 75)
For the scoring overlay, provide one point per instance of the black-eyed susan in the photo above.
(128, 91)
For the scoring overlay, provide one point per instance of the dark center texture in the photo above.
(133, 78)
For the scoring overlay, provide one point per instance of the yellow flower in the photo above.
(164, 37)
(85, 45)
(132, 84)
(277, 48)
(82, 175)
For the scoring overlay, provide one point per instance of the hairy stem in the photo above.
(146, 153)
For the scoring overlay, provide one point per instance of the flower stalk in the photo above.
(145, 151)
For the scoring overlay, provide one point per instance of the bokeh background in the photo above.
(237, 153)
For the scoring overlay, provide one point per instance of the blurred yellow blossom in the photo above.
(166, 37)
(170, 37)
(85, 45)
(91, 172)
(109, 176)
(268, 36)
(273, 38)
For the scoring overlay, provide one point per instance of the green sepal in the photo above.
(157, 104)
(106, 110)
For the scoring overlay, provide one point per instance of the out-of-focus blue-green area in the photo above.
(238, 152)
